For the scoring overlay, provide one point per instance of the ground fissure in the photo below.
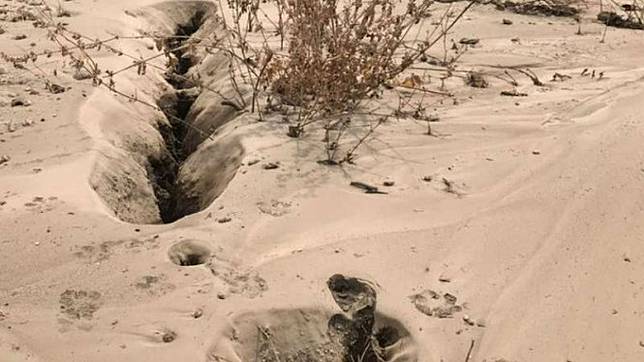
(175, 105)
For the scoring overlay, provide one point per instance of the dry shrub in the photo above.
(332, 55)
(338, 54)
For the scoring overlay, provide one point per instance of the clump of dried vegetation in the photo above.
(352, 50)
(315, 64)
(350, 53)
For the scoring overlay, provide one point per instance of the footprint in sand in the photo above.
(434, 304)
(103, 251)
(80, 304)
(244, 282)
(41, 204)
(154, 285)
(274, 207)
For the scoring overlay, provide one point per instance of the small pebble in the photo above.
(4, 159)
(468, 320)
(450, 298)
(169, 336)
(19, 101)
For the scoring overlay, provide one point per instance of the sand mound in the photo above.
(359, 333)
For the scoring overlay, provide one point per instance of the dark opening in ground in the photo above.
(355, 328)
(189, 253)
(175, 105)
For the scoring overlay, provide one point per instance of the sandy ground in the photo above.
(539, 235)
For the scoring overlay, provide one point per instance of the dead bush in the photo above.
(337, 54)
(332, 55)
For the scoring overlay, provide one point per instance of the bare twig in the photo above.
(469, 352)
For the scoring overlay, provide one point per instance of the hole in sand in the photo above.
(359, 333)
(189, 253)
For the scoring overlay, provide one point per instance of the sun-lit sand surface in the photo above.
(521, 221)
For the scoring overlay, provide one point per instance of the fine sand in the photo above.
(514, 233)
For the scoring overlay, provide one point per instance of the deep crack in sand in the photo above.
(182, 157)
(175, 105)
